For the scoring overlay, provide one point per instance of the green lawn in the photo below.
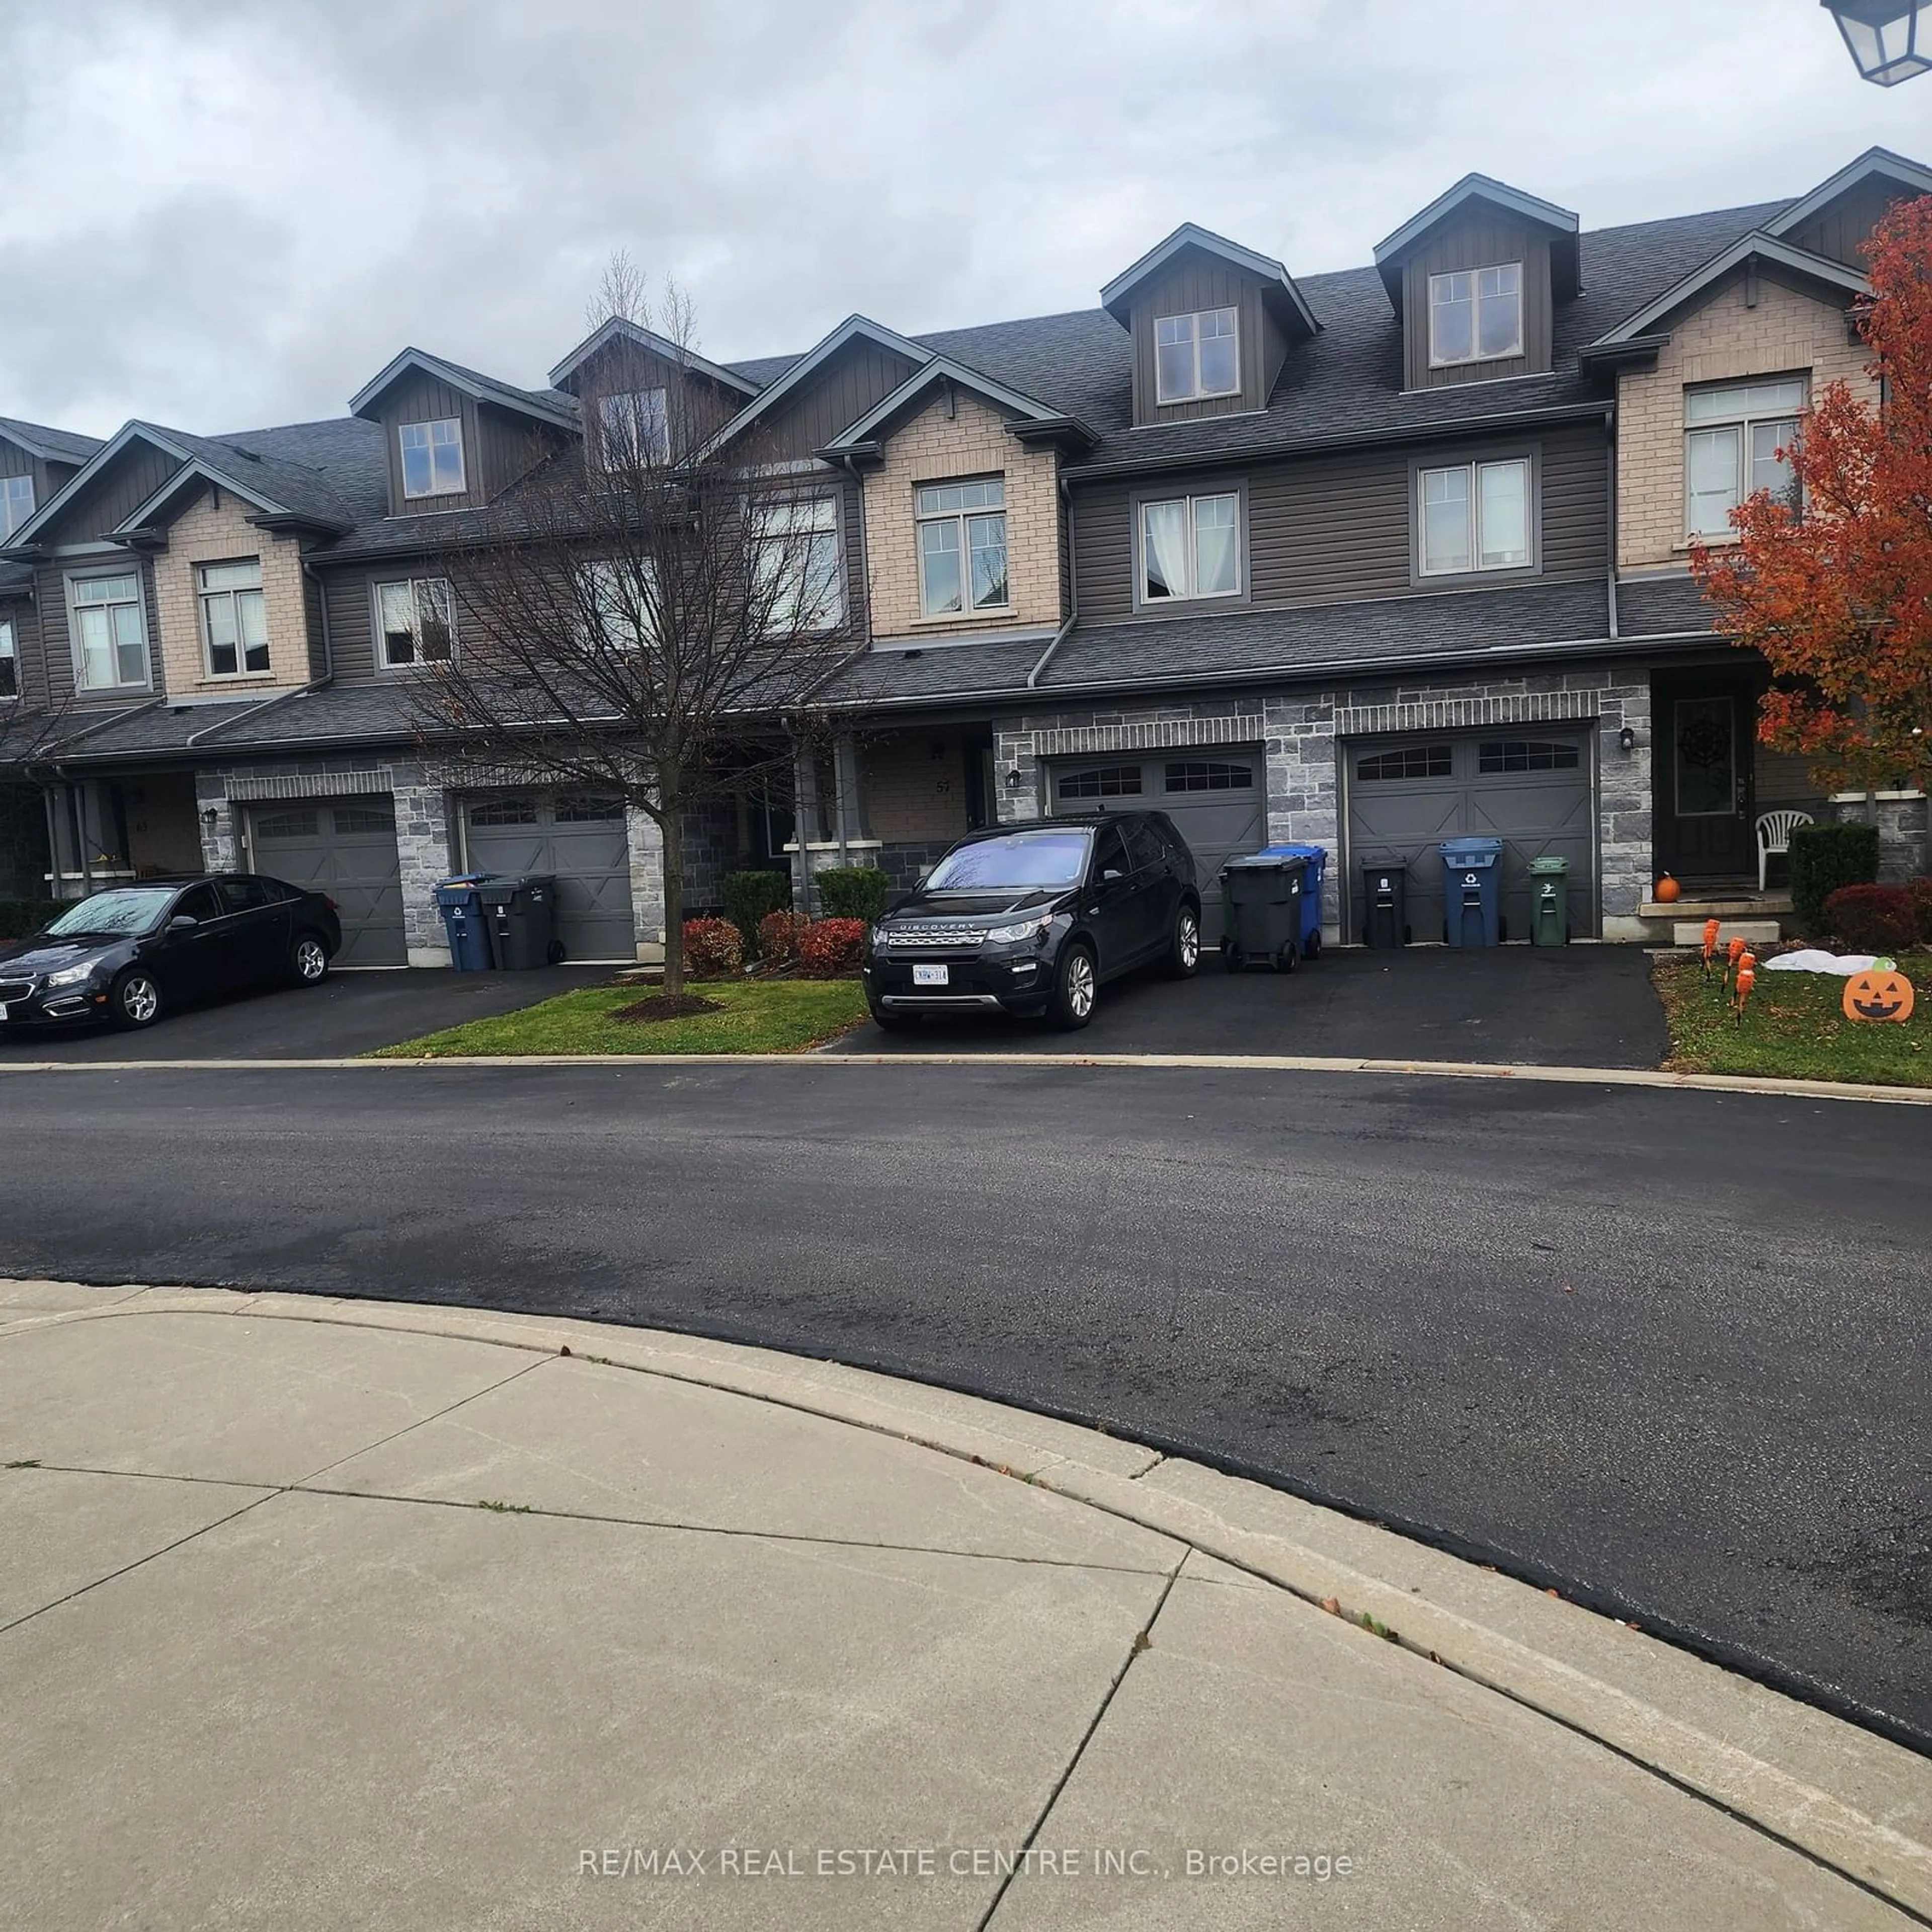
(1796, 1026)
(760, 1016)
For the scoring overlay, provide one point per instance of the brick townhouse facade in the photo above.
(1366, 558)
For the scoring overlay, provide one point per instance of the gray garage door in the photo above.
(580, 841)
(346, 848)
(1530, 787)
(1214, 796)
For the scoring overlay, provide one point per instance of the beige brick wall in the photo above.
(915, 786)
(934, 448)
(1723, 341)
(219, 532)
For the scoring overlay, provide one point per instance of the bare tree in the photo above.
(647, 612)
(34, 724)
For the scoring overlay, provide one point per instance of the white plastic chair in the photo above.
(1773, 836)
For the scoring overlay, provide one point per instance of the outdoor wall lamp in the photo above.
(1015, 779)
(208, 814)
(1891, 40)
(1627, 739)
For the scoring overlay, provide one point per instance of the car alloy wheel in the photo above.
(1186, 956)
(137, 1000)
(1078, 988)
(311, 959)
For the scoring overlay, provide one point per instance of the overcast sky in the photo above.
(225, 214)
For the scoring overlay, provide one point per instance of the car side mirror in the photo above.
(920, 887)
(182, 922)
(1110, 875)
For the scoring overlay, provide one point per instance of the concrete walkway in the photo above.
(316, 1614)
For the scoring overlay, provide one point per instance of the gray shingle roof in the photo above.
(335, 471)
(53, 445)
(1654, 604)
(15, 578)
(148, 732)
(945, 671)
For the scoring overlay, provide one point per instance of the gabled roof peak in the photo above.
(1874, 162)
(622, 328)
(1561, 224)
(1031, 416)
(558, 410)
(50, 446)
(1278, 287)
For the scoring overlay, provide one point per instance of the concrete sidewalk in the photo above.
(316, 1614)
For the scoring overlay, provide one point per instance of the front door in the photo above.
(1702, 777)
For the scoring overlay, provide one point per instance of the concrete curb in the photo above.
(1258, 1063)
(1855, 1802)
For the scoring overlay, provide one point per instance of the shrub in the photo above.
(830, 947)
(748, 896)
(853, 892)
(1872, 919)
(712, 948)
(19, 917)
(1823, 858)
(1919, 892)
(778, 936)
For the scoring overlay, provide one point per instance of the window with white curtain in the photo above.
(1190, 547)
(16, 503)
(9, 663)
(1733, 435)
(417, 618)
(799, 550)
(1473, 516)
(110, 631)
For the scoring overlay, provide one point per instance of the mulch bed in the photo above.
(667, 1007)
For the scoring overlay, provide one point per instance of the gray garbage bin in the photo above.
(1262, 897)
(522, 916)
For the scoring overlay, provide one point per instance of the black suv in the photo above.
(1031, 918)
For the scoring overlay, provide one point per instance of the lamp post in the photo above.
(1891, 40)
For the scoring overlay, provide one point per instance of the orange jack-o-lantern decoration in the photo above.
(1736, 951)
(1668, 890)
(1879, 993)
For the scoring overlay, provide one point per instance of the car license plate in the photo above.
(929, 975)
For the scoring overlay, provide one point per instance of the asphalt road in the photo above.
(1665, 1350)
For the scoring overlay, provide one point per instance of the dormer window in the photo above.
(433, 457)
(16, 503)
(1196, 356)
(633, 428)
(1475, 315)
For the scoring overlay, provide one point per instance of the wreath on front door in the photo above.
(1703, 743)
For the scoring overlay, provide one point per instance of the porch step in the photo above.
(1735, 905)
(1753, 931)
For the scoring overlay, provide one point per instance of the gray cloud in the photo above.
(222, 213)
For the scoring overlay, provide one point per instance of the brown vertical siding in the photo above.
(1841, 228)
(1482, 242)
(312, 622)
(56, 644)
(418, 397)
(133, 476)
(861, 374)
(511, 446)
(29, 660)
(351, 623)
(1330, 528)
(1201, 282)
(621, 367)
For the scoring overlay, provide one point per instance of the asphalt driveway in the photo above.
(349, 1013)
(1573, 1006)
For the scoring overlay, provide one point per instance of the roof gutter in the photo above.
(1251, 452)
(1072, 590)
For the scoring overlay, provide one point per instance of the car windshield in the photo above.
(1020, 859)
(129, 909)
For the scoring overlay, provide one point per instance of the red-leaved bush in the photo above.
(1872, 919)
(712, 947)
(779, 935)
(829, 948)
(1919, 892)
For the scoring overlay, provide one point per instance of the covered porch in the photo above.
(105, 831)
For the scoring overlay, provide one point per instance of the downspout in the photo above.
(1610, 470)
(1072, 591)
(840, 805)
(53, 841)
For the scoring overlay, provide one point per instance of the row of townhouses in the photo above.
(1365, 559)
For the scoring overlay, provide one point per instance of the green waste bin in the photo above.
(522, 912)
(1549, 902)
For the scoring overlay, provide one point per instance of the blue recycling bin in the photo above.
(1316, 864)
(461, 902)
(1472, 891)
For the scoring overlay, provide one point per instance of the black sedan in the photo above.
(1031, 919)
(129, 954)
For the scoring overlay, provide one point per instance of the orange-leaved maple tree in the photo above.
(1837, 595)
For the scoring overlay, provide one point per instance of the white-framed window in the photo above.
(1191, 546)
(622, 598)
(234, 617)
(417, 618)
(110, 631)
(1475, 315)
(798, 545)
(1474, 516)
(1196, 356)
(962, 547)
(16, 503)
(432, 457)
(633, 427)
(10, 662)
(1733, 434)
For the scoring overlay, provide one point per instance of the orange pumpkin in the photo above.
(1668, 890)
(1880, 993)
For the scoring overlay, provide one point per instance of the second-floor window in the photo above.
(962, 547)
(433, 457)
(110, 631)
(798, 562)
(633, 428)
(16, 503)
(1475, 315)
(419, 621)
(1191, 546)
(1196, 356)
(1733, 434)
(620, 603)
(1474, 516)
(10, 662)
(234, 617)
